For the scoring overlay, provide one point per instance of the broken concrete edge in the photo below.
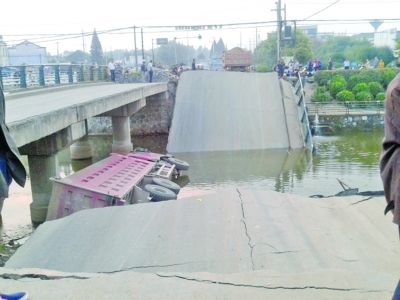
(46, 284)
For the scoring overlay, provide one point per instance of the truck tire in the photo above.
(180, 165)
(159, 193)
(167, 184)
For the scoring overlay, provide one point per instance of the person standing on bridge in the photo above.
(11, 166)
(111, 67)
(150, 70)
(390, 156)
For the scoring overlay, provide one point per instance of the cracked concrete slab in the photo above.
(296, 245)
(191, 235)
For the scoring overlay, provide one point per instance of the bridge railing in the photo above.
(26, 76)
(303, 113)
(347, 108)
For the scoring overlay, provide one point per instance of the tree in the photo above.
(299, 48)
(96, 51)
(174, 52)
(356, 49)
(76, 57)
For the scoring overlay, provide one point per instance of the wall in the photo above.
(340, 123)
(154, 118)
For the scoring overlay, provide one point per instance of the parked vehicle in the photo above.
(140, 176)
(237, 59)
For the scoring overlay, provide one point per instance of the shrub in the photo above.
(322, 97)
(360, 87)
(323, 77)
(336, 87)
(380, 96)
(375, 88)
(338, 78)
(368, 75)
(364, 96)
(262, 68)
(352, 81)
(345, 95)
(387, 76)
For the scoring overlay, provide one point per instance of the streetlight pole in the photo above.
(187, 43)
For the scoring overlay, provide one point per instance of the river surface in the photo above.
(352, 157)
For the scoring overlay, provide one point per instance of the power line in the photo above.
(45, 38)
(321, 10)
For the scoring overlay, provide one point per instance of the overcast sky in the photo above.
(73, 16)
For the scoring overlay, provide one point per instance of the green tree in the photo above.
(96, 51)
(355, 48)
(76, 57)
(300, 49)
(173, 53)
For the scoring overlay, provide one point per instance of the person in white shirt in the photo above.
(150, 70)
(111, 67)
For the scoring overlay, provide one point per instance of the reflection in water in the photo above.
(270, 169)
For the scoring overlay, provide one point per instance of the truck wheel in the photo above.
(167, 184)
(159, 193)
(180, 165)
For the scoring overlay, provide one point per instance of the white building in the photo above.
(3, 53)
(27, 53)
(386, 38)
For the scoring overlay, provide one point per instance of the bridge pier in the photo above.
(81, 149)
(43, 165)
(41, 168)
(121, 128)
(121, 135)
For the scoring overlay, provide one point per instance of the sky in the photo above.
(37, 20)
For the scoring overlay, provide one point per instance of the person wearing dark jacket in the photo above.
(11, 166)
(390, 156)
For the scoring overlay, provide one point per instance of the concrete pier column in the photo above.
(121, 135)
(81, 149)
(41, 169)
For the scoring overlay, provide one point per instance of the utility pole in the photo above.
(279, 27)
(58, 54)
(141, 31)
(136, 60)
(256, 37)
(83, 41)
(278, 30)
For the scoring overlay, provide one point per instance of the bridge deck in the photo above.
(34, 115)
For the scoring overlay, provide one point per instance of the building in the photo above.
(310, 30)
(27, 53)
(216, 53)
(3, 53)
(386, 38)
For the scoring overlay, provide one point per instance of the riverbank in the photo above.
(235, 244)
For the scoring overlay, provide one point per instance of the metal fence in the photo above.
(347, 108)
(303, 113)
(25, 76)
